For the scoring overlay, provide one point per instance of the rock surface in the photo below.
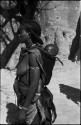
(58, 20)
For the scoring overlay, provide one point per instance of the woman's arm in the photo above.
(34, 79)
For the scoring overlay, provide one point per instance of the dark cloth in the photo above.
(48, 67)
(48, 64)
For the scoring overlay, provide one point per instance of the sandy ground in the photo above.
(68, 110)
(67, 107)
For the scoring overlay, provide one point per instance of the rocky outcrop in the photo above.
(58, 19)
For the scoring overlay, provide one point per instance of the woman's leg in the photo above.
(46, 123)
(36, 120)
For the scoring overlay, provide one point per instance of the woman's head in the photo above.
(32, 30)
(26, 37)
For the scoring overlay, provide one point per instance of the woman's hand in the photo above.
(22, 114)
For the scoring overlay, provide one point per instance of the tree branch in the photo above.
(12, 27)
(4, 58)
(6, 35)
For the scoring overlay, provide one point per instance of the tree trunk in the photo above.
(4, 58)
(29, 15)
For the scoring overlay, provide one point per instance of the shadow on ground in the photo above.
(71, 93)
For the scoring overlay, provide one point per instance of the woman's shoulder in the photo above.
(35, 50)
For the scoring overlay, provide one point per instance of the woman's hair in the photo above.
(34, 29)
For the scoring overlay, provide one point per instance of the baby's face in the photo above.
(25, 34)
